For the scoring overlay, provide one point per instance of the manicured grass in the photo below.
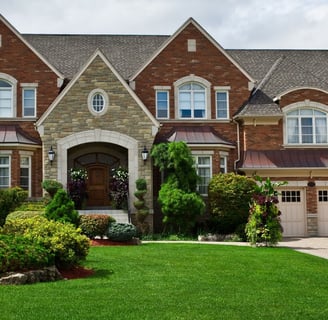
(180, 281)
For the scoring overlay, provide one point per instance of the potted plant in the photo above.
(77, 186)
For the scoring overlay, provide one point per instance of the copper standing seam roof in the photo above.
(268, 159)
(13, 135)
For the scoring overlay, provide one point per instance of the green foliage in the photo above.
(180, 208)
(20, 253)
(179, 202)
(23, 214)
(63, 240)
(229, 198)
(121, 231)
(51, 186)
(141, 184)
(9, 200)
(93, 225)
(142, 209)
(61, 208)
(264, 217)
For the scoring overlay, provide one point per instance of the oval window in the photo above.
(98, 102)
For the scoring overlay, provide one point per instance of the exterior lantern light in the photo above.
(51, 155)
(144, 154)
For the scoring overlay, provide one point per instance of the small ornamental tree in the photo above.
(140, 205)
(264, 216)
(180, 203)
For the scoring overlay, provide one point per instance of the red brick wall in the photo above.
(304, 94)
(19, 61)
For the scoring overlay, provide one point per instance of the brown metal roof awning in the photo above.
(271, 159)
(13, 135)
(197, 135)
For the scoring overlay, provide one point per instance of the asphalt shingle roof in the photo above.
(275, 71)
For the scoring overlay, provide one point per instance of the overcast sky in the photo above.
(294, 24)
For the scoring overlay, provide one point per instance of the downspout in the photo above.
(238, 145)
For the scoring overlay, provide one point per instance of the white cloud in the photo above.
(233, 23)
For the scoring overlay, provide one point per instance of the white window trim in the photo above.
(29, 86)
(200, 154)
(165, 89)
(13, 82)
(29, 155)
(226, 90)
(7, 154)
(306, 104)
(90, 100)
(203, 82)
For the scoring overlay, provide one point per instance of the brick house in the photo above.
(98, 100)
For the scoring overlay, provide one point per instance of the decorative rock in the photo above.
(33, 276)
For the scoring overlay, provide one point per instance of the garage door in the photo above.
(323, 212)
(292, 207)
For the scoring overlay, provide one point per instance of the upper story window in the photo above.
(98, 102)
(192, 98)
(29, 102)
(192, 101)
(6, 99)
(162, 102)
(306, 126)
(222, 102)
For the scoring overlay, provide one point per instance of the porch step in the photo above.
(120, 216)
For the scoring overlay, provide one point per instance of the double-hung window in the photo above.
(223, 164)
(4, 172)
(192, 101)
(204, 171)
(29, 102)
(25, 172)
(306, 126)
(6, 99)
(162, 104)
(222, 102)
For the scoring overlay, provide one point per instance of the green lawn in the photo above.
(180, 281)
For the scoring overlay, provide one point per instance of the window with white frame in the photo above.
(306, 126)
(6, 99)
(192, 101)
(162, 104)
(4, 172)
(223, 164)
(222, 102)
(25, 172)
(204, 171)
(29, 102)
(98, 102)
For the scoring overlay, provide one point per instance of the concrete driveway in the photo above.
(317, 246)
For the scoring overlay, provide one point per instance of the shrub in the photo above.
(23, 214)
(140, 205)
(63, 240)
(121, 231)
(120, 188)
(61, 208)
(20, 253)
(9, 200)
(229, 198)
(93, 225)
(77, 186)
(51, 186)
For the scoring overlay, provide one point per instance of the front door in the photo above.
(97, 186)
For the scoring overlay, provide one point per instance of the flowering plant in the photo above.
(77, 186)
(119, 187)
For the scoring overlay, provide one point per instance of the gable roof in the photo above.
(207, 35)
(96, 54)
(28, 44)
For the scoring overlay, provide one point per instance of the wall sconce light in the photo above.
(144, 154)
(51, 155)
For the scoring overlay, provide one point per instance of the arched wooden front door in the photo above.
(98, 185)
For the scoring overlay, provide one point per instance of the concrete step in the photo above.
(120, 216)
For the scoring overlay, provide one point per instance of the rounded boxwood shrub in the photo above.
(93, 225)
(21, 253)
(63, 240)
(121, 231)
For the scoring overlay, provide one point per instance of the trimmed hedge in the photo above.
(93, 225)
(63, 240)
(19, 253)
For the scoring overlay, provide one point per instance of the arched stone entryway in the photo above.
(97, 139)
